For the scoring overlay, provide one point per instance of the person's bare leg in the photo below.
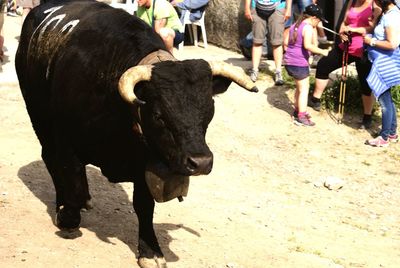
(303, 87)
(256, 55)
(277, 52)
(320, 85)
(368, 103)
(278, 56)
(256, 59)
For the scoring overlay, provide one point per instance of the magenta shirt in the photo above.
(296, 54)
(357, 19)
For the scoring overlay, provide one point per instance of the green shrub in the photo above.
(353, 102)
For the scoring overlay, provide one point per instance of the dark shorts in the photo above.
(178, 38)
(298, 72)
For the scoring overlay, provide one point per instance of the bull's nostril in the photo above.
(199, 164)
(192, 164)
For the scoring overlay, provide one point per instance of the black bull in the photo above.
(101, 89)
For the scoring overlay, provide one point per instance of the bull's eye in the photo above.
(158, 119)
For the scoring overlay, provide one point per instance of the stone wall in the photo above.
(225, 23)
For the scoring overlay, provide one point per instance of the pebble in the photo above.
(333, 183)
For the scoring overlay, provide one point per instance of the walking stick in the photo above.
(342, 92)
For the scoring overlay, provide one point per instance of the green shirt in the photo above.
(162, 10)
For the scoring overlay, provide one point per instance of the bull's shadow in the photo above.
(112, 209)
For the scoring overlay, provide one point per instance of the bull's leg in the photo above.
(72, 176)
(49, 158)
(70, 182)
(149, 249)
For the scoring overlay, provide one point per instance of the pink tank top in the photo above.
(357, 19)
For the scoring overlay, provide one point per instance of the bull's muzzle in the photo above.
(199, 165)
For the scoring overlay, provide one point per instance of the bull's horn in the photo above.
(234, 73)
(130, 78)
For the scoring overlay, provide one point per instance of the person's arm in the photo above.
(343, 26)
(286, 35)
(159, 23)
(391, 42)
(288, 10)
(308, 43)
(247, 10)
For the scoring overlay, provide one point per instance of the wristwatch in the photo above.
(373, 42)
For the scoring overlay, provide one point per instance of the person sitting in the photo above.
(360, 18)
(161, 15)
(195, 7)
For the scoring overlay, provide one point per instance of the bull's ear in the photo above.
(220, 84)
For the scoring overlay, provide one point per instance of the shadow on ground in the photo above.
(112, 209)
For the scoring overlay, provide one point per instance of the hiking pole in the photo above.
(329, 30)
(342, 92)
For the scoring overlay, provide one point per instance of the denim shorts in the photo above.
(298, 72)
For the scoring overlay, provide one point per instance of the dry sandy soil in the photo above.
(262, 205)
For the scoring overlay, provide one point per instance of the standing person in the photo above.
(271, 14)
(383, 51)
(300, 42)
(360, 18)
(2, 11)
(27, 6)
(161, 15)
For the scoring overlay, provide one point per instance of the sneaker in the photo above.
(279, 79)
(377, 142)
(253, 75)
(393, 138)
(316, 105)
(303, 121)
(296, 114)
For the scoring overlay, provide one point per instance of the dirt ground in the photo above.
(262, 206)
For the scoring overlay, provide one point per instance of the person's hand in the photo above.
(247, 14)
(367, 39)
(344, 37)
(344, 29)
(325, 52)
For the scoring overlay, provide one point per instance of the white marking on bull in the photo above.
(50, 11)
(72, 23)
(57, 18)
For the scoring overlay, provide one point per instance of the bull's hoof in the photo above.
(88, 205)
(68, 219)
(156, 262)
